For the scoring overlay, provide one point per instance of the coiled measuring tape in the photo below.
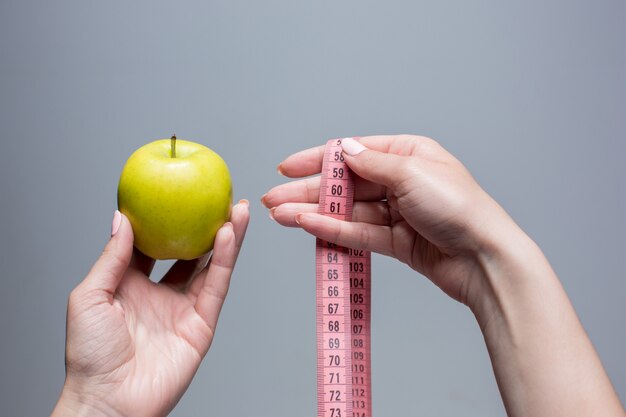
(343, 283)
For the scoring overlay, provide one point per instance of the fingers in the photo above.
(377, 213)
(240, 217)
(107, 272)
(303, 163)
(309, 161)
(181, 272)
(214, 288)
(141, 262)
(303, 191)
(211, 285)
(396, 144)
(307, 191)
(383, 168)
(371, 237)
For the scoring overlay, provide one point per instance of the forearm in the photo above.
(543, 360)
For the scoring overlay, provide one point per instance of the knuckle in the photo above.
(406, 170)
(310, 191)
(212, 292)
(422, 146)
(337, 233)
(419, 140)
(427, 141)
(427, 145)
(365, 237)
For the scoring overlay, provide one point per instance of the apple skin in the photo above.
(175, 205)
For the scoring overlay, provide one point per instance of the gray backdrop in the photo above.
(530, 95)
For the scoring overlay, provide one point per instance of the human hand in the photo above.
(413, 201)
(133, 345)
(416, 202)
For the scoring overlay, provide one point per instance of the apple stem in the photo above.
(173, 145)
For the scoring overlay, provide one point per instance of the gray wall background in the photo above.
(530, 95)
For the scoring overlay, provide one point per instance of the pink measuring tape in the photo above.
(343, 283)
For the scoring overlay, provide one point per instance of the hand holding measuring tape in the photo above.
(417, 203)
(385, 222)
(413, 201)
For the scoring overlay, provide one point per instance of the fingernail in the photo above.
(272, 213)
(298, 217)
(279, 168)
(244, 201)
(263, 199)
(117, 220)
(352, 147)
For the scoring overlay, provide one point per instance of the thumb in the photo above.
(378, 167)
(107, 272)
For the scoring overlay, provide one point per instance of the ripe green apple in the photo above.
(176, 194)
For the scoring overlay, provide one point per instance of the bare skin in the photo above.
(133, 346)
(417, 203)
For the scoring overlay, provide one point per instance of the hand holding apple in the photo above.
(176, 194)
(133, 345)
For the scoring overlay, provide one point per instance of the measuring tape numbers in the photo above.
(343, 285)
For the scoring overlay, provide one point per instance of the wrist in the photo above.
(77, 404)
(515, 277)
(543, 361)
(519, 299)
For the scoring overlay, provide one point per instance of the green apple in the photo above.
(176, 194)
